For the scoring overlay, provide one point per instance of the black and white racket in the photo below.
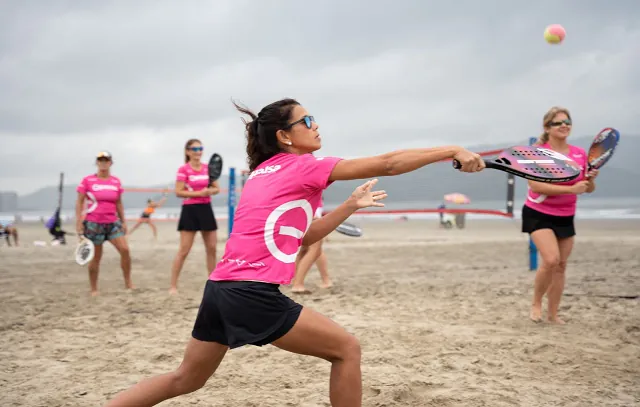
(215, 168)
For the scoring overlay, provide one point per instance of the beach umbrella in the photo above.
(457, 198)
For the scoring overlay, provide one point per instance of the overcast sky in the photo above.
(138, 78)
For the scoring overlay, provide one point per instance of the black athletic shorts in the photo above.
(145, 215)
(237, 313)
(196, 217)
(532, 220)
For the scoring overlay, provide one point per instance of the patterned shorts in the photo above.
(99, 232)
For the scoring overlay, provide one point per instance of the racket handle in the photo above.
(457, 165)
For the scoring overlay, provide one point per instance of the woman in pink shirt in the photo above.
(104, 218)
(242, 303)
(192, 184)
(548, 212)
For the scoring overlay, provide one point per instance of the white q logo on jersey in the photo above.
(270, 228)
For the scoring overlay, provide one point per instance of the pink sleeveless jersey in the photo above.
(194, 181)
(102, 196)
(560, 205)
(275, 211)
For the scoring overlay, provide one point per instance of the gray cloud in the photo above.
(139, 78)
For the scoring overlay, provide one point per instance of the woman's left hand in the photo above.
(591, 175)
(364, 197)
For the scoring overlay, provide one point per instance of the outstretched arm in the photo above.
(403, 161)
(160, 202)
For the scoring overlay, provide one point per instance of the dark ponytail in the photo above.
(262, 143)
(190, 142)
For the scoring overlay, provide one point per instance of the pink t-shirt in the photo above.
(102, 196)
(275, 211)
(194, 181)
(560, 205)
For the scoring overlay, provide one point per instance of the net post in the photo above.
(231, 199)
(533, 250)
(60, 190)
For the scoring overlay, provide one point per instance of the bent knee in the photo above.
(184, 382)
(349, 350)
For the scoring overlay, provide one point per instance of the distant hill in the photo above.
(618, 179)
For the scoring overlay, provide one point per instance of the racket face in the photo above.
(215, 167)
(537, 164)
(84, 252)
(602, 147)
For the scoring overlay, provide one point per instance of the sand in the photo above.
(442, 317)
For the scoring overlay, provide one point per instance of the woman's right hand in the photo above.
(469, 161)
(579, 187)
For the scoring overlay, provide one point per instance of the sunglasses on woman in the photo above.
(308, 120)
(560, 123)
(196, 149)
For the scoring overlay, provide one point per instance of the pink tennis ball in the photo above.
(554, 34)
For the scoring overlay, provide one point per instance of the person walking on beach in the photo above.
(548, 215)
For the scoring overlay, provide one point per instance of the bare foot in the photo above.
(326, 285)
(173, 291)
(94, 293)
(536, 313)
(556, 320)
(300, 290)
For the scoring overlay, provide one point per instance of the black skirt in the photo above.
(196, 217)
(532, 220)
(237, 313)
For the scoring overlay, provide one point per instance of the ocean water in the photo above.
(588, 208)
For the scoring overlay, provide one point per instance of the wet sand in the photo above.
(442, 316)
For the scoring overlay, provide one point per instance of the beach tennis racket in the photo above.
(215, 168)
(533, 163)
(349, 229)
(85, 250)
(602, 148)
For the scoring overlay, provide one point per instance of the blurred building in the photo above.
(8, 201)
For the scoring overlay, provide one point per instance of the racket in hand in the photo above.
(533, 163)
(602, 148)
(85, 250)
(215, 168)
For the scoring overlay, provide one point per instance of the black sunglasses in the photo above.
(308, 120)
(558, 124)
